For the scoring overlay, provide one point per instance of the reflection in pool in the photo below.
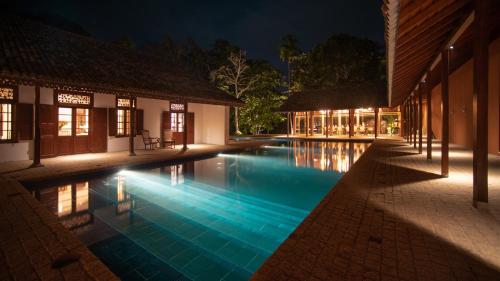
(211, 219)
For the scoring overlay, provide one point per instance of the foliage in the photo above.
(258, 113)
(341, 58)
(234, 79)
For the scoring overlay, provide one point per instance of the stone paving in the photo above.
(33, 244)
(392, 217)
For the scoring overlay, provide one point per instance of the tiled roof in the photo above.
(345, 96)
(32, 53)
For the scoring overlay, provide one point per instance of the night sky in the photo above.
(256, 25)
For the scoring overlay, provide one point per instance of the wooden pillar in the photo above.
(326, 122)
(408, 120)
(428, 93)
(410, 106)
(307, 124)
(294, 123)
(376, 122)
(185, 128)
(480, 102)
(351, 121)
(287, 124)
(420, 117)
(445, 113)
(415, 119)
(131, 148)
(36, 142)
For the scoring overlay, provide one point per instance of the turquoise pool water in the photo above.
(211, 219)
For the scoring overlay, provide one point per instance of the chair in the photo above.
(168, 138)
(152, 142)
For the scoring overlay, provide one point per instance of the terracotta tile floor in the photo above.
(392, 217)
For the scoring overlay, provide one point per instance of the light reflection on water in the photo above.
(251, 201)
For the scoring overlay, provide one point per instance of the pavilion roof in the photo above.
(32, 53)
(416, 32)
(344, 96)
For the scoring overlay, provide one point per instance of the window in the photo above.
(177, 122)
(82, 122)
(7, 106)
(123, 127)
(65, 121)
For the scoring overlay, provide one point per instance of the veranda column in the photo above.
(294, 123)
(410, 106)
(327, 119)
(376, 122)
(408, 120)
(480, 102)
(185, 128)
(36, 148)
(131, 148)
(415, 120)
(307, 125)
(351, 126)
(420, 117)
(287, 124)
(445, 113)
(428, 93)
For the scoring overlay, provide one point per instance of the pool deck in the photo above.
(33, 244)
(393, 217)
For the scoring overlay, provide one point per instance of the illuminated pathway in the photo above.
(392, 217)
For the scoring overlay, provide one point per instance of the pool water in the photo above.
(213, 219)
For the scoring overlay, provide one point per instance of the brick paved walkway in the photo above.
(392, 217)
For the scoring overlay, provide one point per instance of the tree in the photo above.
(260, 102)
(233, 78)
(288, 51)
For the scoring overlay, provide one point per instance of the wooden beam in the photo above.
(445, 111)
(480, 102)
(428, 93)
(185, 128)
(36, 141)
(131, 148)
(420, 117)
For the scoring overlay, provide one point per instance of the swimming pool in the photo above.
(210, 219)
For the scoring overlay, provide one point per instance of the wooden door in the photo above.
(98, 132)
(73, 130)
(48, 130)
(178, 127)
(190, 127)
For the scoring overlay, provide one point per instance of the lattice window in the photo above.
(6, 94)
(176, 107)
(74, 99)
(177, 122)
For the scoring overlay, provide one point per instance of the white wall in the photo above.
(211, 123)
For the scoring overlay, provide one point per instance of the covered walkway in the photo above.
(394, 217)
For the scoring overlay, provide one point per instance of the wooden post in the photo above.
(410, 106)
(131, 148)
(480, 102)
(307, 125)
(294, 123)
(287, 124)
(428, 92)
(415, 120)
(185, 128)
(420, 117)
(376, 122)
(408, 120)
(326, 123)
(351, 127)
(445, 113)
(36, 141)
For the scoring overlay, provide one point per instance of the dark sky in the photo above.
(255, 25)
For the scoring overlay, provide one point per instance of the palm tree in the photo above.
(288, 51)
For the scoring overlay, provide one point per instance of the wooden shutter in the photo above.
(48, 130)
(139, 117)
(25, 121)
(112, 121)
(99, 139)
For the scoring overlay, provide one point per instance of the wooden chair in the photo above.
(168, 138)
(152, 142)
